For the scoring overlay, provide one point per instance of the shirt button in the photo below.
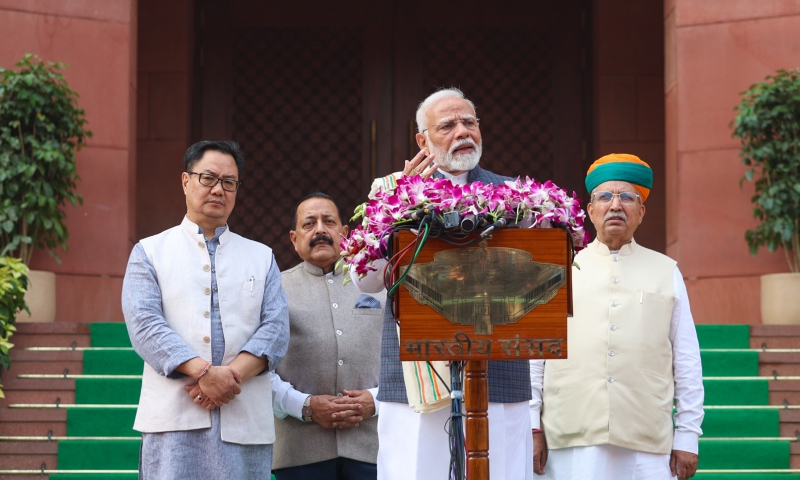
(206, 314)
(207, 339)
(613, 327)
(615, 259)
(614, 303)
(341, 363)
(610, 379)
(611, 353)
(335, 305)
(338, 332)
(615, 280)
(214, 271)
(201, 244)
(215, 289)
(206, 268)
(330, 280)
(207, 291)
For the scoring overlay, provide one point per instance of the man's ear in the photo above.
(345, 230)
(185, 181)
(293, 238)
(422, 141)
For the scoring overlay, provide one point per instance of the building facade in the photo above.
(323, 99)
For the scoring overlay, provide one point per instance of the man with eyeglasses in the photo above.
(206, 311)
(606, 411)
(413, 441)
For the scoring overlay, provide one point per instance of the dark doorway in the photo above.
(322, 95)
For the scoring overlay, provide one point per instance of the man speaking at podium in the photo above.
(415, 445)
(607, 408)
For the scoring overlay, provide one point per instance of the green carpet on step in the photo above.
(726, 364)
(723, 336)
(113, 391)
(736, 392)
(743, 476)
(740, 423)
(112, 362)
(715, 455)
(101, 422)
(99, 476)
(99, 454)
(113, 334)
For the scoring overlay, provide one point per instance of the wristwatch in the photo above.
(307, 412)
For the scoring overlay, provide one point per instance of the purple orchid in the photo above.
(526, 201)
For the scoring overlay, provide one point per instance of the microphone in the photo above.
(468, 223)
(500, 223)
(418, 215)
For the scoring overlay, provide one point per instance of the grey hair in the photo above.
(425, 105)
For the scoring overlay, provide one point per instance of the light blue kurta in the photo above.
(201, 453)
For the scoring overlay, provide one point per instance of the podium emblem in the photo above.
(485, 286)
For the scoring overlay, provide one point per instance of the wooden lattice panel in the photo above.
(507, 73)
(297, 113)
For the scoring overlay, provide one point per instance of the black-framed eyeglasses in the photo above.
(208, 180)
(625, 198)
(470, 123)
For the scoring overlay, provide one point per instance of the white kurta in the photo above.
(600, 462)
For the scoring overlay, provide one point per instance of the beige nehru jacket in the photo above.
(333, 346)
(616, 386)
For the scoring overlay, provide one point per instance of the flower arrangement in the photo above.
(533, 204)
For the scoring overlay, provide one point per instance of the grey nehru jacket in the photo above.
(333, 346)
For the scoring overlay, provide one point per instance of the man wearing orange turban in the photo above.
(606, 411)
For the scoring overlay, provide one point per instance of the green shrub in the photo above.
(13, 283)
(41, 127)
(768, 124)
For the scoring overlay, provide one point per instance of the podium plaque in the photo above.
(506, 298)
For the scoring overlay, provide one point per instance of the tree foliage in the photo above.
(41, 128)
(13, 284)
(768, 124)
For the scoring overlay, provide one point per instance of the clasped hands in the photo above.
(344, 411)
(216, 388)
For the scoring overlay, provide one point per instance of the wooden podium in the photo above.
(507, 298)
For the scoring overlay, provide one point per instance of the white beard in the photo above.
(457, 163)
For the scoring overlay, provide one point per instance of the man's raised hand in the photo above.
(418, 166)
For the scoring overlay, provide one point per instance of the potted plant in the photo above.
(13, 281)
(41, 128)
(768, 124)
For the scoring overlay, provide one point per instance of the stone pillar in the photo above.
(714, 50)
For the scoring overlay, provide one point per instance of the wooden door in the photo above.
(322, 95)
(521, 63)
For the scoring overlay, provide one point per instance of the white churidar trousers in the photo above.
(414, 446)
(604, 462)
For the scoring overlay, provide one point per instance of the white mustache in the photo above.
(611, 215)
(461, 143)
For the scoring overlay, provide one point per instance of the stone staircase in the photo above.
(51, 427)
(38, 422)
(773, 364)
